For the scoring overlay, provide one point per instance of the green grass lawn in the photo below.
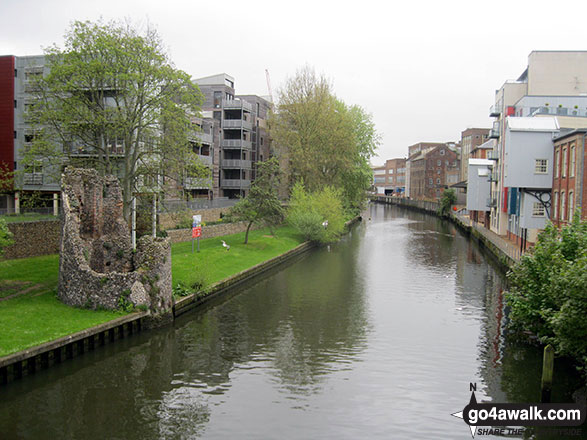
(33, 314)
(215, 263)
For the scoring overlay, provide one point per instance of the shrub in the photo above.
(448, 199)
(548, 290)
(5, 236)
(309, 211)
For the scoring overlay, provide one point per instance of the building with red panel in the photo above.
(7, 131)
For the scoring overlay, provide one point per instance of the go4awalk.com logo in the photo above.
(502, 418)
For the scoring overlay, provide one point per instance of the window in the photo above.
(565, 163)
(442, 152)
(572, 169)
(438, 171)
(430, 181)
(261, 141)
(555, 207)
(538, 210)
(571, 206)
(540, 166)
(563, 206)
(15, 105)
(438, 163)
(557, 162)
(438, 181)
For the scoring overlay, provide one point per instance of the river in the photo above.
(378, 336)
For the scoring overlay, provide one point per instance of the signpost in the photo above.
(196, 230)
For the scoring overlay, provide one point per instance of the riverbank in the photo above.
(263, 252)
(40, 331)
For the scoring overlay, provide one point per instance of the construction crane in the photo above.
(269, 86)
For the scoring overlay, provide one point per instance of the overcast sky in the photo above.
(425, 70)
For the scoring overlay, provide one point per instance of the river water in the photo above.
(378, 336)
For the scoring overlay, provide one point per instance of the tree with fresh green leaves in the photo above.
(262, 204)
(548, 290)
(322, 140)
(318, 215)
(449, 197)
(113, 100)
(5, 236)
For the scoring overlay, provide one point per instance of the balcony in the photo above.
(203, 138)
(237, 144)
(206, 160)
(493, 155)
(33, 178)
(237, 104)
(235, 183)
(494, 132)
(237, 124)
(495, 111)
(197, 183)
(236, 163)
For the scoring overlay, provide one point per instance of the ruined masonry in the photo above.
(97, 266)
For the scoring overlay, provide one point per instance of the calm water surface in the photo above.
(377, 337)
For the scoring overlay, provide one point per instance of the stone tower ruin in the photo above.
(97, 266)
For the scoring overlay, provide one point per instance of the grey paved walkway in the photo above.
(506, 246)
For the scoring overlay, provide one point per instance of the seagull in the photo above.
(227, 246)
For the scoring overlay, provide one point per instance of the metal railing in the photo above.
(235, 183)
(236, 104)
(33, 178)
(196, 204)
(237, 123)
(236, 163)
(236, 143)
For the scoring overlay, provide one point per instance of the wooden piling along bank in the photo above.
(22, 363)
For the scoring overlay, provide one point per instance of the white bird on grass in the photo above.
(227, 246)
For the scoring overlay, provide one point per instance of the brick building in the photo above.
(569, 179)
(430, 171)
(390, 179)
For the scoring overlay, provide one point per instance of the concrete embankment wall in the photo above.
(432, 208)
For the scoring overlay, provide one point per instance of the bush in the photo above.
(548, 290)
(448, 199)
(308, 211)
(5, 236)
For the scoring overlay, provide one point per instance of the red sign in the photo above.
(197, 232)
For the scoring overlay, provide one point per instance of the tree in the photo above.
(322, 140)
(113, 100)
(449, 197)
(262, 204)
(5, 236)
(548, 290)
(318, 216)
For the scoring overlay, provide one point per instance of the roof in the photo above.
(567, 134)
(549, 123)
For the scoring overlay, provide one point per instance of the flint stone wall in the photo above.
(97, 267)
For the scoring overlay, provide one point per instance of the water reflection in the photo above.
(378, 337)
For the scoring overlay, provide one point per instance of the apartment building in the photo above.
(430, 170)
(570, 177)
(551, 85)
(17, 78)
(390, 179)
(243, 138)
